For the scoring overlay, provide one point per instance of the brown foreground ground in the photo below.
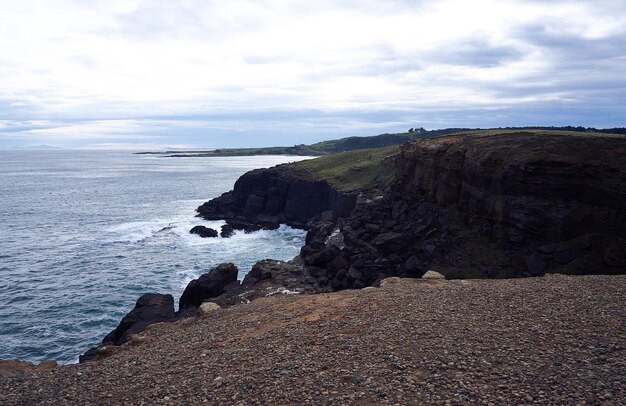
(552, 340)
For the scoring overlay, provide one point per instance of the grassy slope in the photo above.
(317, 149)
(354, 170)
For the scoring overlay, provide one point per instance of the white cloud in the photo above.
(132, 59)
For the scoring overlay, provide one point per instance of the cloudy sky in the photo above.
(148, 74)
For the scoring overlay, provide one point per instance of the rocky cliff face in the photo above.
(506, 205)
(536, 186)
(279, 195)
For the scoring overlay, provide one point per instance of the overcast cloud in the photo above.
(151, 74)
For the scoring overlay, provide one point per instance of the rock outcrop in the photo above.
(204, 232)
(150, 308)
(207, 286)
(279, 195)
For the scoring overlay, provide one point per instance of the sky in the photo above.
(154, 74)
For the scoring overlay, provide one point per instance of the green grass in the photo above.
(354, 170)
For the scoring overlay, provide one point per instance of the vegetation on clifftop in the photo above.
(354, 170)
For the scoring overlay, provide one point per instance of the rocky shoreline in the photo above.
(506, 205)
(499, 206)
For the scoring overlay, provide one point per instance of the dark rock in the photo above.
(204, 232)
(535, 265)
(547, 249)
(245, 226)
(429, 249)
(259, 272)
(516, 236)
(549, 187)
(390, 242)
(227, 231)
(150, 308)
(567, 256)
(323, 281)
(355, 273)
(233, 286)
(88, 355)
(317, 245)
(208, 286)
(336, 264)
(323, 257)
(317, 272)
(412, 264)
(282, 193)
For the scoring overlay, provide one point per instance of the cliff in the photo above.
(535, 185)
(279, 195)
(321, 189)
(496, 204)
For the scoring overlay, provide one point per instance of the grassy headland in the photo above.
(354, 170)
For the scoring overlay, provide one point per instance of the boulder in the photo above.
(433, 275)
(208, 307)
(208, 286)
(204, 232)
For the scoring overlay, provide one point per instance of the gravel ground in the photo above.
(551, 340)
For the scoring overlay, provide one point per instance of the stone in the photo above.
(204, 232)
(323, 257)
(336, 239)
(208, 307)
(433, 275)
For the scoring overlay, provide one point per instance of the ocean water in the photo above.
(83, 234)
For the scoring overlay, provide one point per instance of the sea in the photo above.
(83, 234)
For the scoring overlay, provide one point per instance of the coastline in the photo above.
(404, 230)
(412, 341)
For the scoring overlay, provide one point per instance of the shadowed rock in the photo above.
(204, 232)
(208, 286)
(150, 308)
